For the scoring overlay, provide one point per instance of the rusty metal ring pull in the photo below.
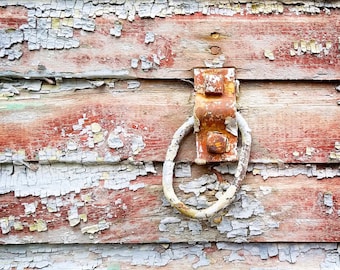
(229, 195)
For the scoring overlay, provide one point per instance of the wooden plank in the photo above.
(221, 255)
(282, 209)
(283, 46)
(288, 126)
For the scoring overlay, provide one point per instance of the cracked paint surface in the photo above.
(74, 27)
(53, 122)
(56, 180)
(108, 203)
(94, 176)
(191, 256)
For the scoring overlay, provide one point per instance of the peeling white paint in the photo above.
(60, 179)
(117, 30)
(269, 54)
(182, 170)
(313, 47)
(149, 37)
(51, 24)
(30, 208)
(133, 84)
(240, 221)
(189, 256)
(92, 229)
(287, 170)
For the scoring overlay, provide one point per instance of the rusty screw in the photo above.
(217, 143)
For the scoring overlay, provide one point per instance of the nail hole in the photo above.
(215, 35)
(215, 50)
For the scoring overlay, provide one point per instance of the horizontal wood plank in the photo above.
(290, 122)
(283, 46)
(293, 256)
(282, 209)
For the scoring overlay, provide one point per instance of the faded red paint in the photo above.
(296, 203)
(291, 122)
(12, 17)
(277, 133)
(164, 46)
(242, 41)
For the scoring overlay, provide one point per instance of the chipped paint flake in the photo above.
(182, 170)
(310, 151)
(328, 199)
(337, 145)
(39, 225)
(135, 187)
(117, 29)
(137, 144)
(149, 37)
(269, 54)
(30, 208)
(313, 47)
(95, 127)
(114, 141)
(92, 229)
(73, 216)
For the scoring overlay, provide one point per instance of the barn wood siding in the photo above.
(91, 94)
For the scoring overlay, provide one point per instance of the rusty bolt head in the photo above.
(217, 143)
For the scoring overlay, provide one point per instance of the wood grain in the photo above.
(260, 47)
(74, 149)
(293, 210)
(290, 122)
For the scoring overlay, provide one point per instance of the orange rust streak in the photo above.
(214, 103)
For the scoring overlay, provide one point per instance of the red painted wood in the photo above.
(286, 123)
(294, 204)
(185, 42)
(293, 120)
(12, 17)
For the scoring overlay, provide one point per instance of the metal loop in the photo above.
(229, 195)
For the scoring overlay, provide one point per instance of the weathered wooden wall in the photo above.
(91, 93)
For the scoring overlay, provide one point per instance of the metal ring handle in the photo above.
(229, 195)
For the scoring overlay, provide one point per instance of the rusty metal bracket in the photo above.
(215, 121)
(216, 138)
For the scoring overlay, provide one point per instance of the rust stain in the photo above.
(215, 107)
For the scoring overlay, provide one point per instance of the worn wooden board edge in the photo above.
(221, 255)
(125, 204)
(107, 121)
(37, 42)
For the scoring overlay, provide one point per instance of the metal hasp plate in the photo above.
(215, 123)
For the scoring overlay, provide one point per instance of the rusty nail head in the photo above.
(217, 143)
